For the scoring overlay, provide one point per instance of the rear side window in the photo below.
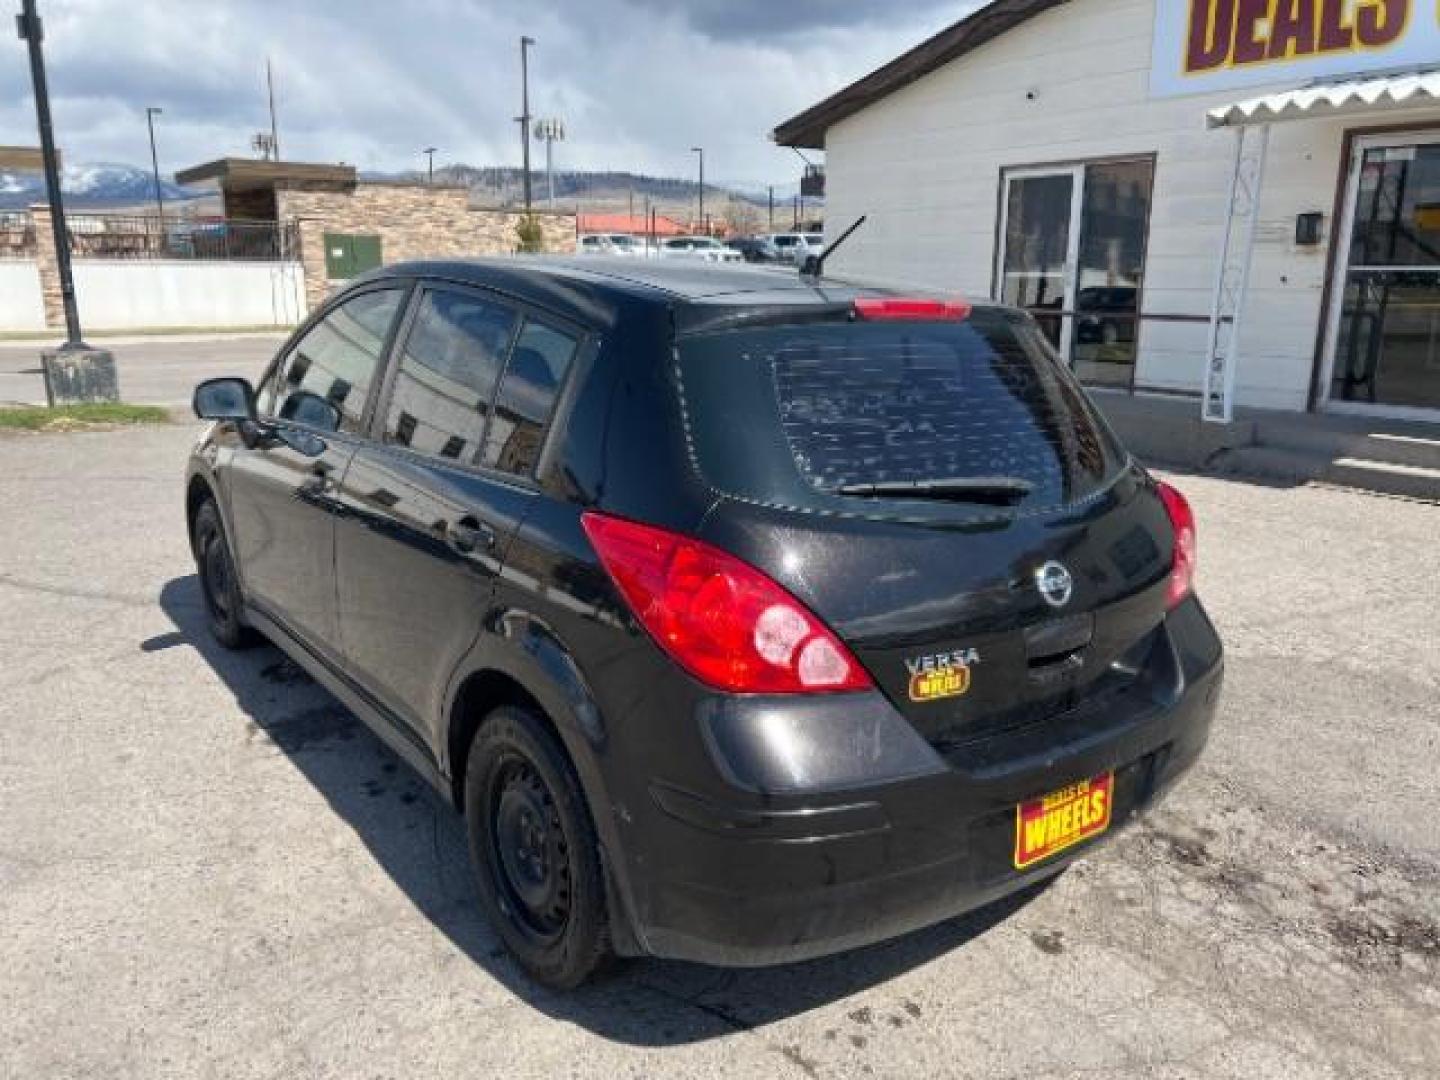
(802, 416)
(538, 366)
(445, 377)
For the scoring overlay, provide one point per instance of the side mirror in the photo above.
(311, 410)
(224, 399)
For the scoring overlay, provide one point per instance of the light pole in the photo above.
(701, 151)
(33, 33)
(524, 118)
(74, 371)
(429, 152)
(270, 96)
(151, 112)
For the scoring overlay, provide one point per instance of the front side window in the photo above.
(538, 366)
(446, 374)
(335, 361)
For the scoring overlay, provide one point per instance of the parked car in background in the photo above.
(755, 249)
(622, 244)
(814, 244)
(589, 544)
(1105, 314)
(704, 248)
(791, 246)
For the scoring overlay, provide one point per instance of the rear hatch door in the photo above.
(942, 495)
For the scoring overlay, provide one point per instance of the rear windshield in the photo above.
(807, 416)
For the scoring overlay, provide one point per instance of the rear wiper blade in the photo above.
(981, 489)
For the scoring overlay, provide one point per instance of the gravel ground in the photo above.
(208, 868)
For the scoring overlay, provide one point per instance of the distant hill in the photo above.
(614, 191)
(95, 186)
(105, 185)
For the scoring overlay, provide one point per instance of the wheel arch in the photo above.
(520, 662)
(197, 490)
(478, 695)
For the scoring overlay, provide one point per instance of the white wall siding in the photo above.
(22, 307)
(142, 294)
(925, 164)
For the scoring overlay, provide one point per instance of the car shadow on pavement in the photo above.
(419, 841)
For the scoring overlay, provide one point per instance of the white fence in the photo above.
(132, 295)
(22, 306)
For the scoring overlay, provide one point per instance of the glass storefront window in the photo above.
(1073, 255)
(1113, 225)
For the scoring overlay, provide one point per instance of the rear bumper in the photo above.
(754, 879)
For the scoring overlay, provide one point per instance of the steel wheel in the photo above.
(531, 851)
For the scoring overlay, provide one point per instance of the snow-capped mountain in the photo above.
(89, 185)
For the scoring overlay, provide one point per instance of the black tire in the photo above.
(218, 585)
(534, 850)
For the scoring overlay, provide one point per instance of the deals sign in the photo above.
(1202, 46)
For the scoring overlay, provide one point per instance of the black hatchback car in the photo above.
(745, 619)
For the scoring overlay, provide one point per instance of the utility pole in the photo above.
(270, 94)
(74, 371)
(772, 208)
(429, 152)
(701, 151)
(524, 118)
(150, 113)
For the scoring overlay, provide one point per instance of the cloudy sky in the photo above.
(637, 82)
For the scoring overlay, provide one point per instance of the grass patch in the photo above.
(80, 417)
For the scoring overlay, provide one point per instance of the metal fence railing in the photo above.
(114, 236)
(17, 236)
(1105, 346)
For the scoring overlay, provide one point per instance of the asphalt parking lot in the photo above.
(208, 868)
(153, 371)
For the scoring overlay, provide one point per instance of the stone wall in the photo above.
(46, 261)
(413, 221)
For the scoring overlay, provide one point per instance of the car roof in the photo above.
(592, 288)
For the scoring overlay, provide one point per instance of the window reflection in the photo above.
(447, 374)
(538, 366)
(336, 359)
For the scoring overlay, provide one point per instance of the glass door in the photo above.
(1073, 255)
(1039, 249)
(1385, 330)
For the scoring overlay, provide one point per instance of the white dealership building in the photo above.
(1233, 199)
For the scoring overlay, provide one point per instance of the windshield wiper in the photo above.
(977, 489)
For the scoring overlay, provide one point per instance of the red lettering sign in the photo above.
(1237, 33)
(1212, 28)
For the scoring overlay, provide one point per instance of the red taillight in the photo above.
(1182, 565)
(725, 622)
(905, 309)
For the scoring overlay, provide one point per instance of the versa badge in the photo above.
(947, 675)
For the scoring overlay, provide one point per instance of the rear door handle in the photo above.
(469, 535)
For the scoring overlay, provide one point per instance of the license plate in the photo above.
(1047, 826)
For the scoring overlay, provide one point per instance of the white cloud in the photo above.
(638, 82)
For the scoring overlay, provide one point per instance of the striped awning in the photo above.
(1361, 94)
